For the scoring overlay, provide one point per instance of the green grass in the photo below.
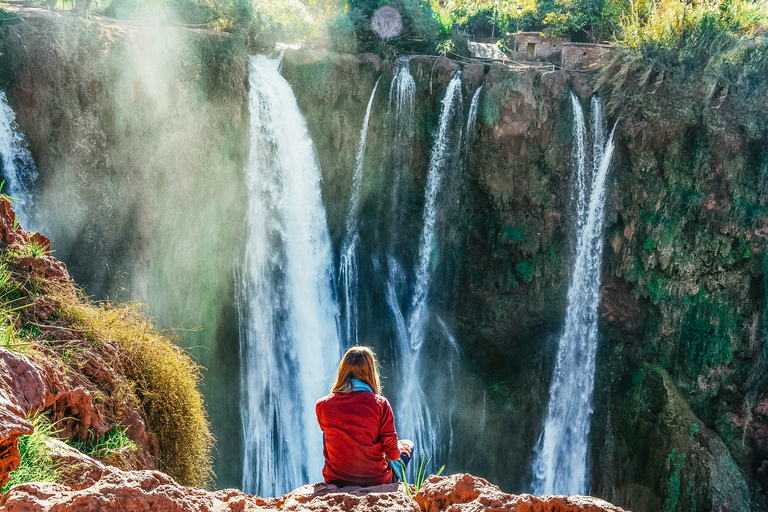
(421, 476)
(36, 465)
(111, 448)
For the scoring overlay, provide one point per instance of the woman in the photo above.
(360, 444)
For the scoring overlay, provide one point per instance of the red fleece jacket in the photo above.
(358, 431)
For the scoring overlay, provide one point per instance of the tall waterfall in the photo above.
(413, 415)
(288, 340)
(560, 462)
(450, 105)
(348, 257)
(18, 168)
(402, 95)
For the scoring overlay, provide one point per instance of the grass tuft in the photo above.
(36, 465)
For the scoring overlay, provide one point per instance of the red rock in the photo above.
(78, 471)
(128, 491)
(10, 231)
(467, 493)
(21, 392)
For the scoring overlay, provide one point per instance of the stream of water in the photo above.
(18, 168)
(348, 257)
(289, 347)
(560, 461)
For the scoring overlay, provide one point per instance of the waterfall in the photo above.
(288, 341)
(413, 414)
(418, 316)
(560, 459)
(18, 168)
(471, 119)
(402, 94)
(348, 256)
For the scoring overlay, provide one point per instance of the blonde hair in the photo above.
(360, 363)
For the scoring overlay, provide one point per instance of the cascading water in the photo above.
(413, 414)
(451, 104)
(18, 167)
(288, 341)
(560, 461)
(471, 119)
(402, 95)
(348, 256)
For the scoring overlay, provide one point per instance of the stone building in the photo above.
(534, 46)
(582, 55)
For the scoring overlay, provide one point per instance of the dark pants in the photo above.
(405, 459)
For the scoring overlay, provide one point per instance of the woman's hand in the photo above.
(405, 446)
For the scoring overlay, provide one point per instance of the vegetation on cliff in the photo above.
(110, 373)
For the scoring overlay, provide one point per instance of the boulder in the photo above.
(78, 471)
(467, 493)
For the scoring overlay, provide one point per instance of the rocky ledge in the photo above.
(128, 491)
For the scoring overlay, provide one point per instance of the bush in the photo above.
(165, 381)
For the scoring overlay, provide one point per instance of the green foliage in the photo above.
(419, 25)
(9, 17)
(421, 476)
(675, 462)
(36, 464)
(514, 233)
(165, 381)
(706, 334)
(526, 270)
(113, 448)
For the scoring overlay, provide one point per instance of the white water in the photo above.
(450, 105)
(414, 420)
(472, 118)
(288, 340)
(560, 461)
(18, 168)
(402, 95)
(348, 257)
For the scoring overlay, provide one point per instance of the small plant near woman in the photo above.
(421, 476)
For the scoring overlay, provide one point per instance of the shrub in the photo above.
(164, 379)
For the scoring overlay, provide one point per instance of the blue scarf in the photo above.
(358, 385)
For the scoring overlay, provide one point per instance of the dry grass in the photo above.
(64, 331)
(164, 379)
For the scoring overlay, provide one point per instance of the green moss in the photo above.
(648, 245)
(526, 270)
(706, 334)
(513, 233)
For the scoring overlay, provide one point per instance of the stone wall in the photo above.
(533, 46)
(582, 55)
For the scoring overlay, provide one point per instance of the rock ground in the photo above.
(129, 491)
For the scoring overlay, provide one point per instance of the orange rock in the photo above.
(467, 493)
(21, 392)
(128, 491)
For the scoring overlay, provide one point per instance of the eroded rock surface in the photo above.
(21, 391)
(127, 491)
(467, 493)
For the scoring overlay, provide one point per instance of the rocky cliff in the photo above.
(681, 394)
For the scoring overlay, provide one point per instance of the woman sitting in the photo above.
(360, 444)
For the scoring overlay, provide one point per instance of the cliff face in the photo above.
(139, 136)
(680, 404)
